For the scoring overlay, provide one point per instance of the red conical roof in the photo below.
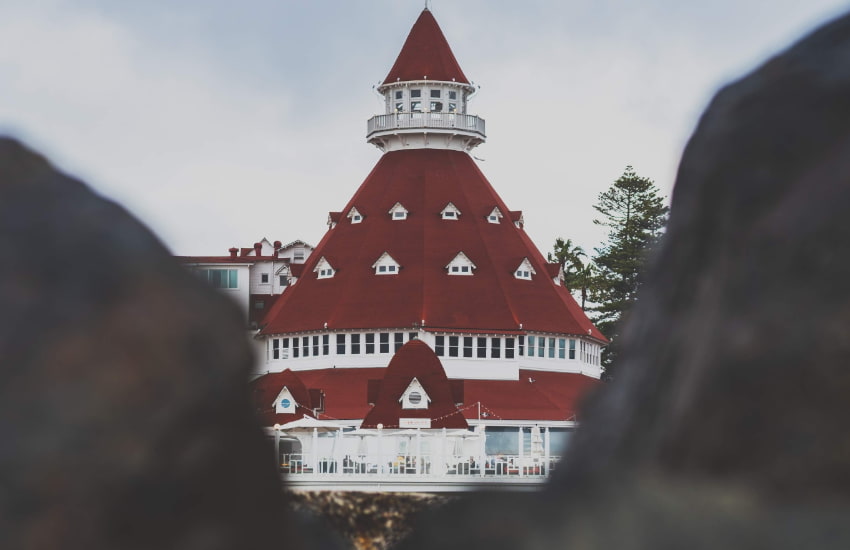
(426, 54)
(491, 300)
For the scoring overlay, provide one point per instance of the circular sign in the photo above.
(414, 397)
(285, 403)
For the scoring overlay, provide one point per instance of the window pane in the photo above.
(481, 350)
(551, 348)
(326, 347)
(562, 344)
(531, 342)
(355, 344)
(541, 345)
(436, 106)
(340, 344)
(467, 346)
(452, 94)
(415, 93)
(232, 283)
(435, 93)
(305, 346)
(521, 346)
(572, 349)
(276, 348)
(412, 336)
(453, 342)
(398, 94)
(316, 345)
(439, 345)
(385, 342)
(495, 348)
(370, 343)
(509, 348)
(398, 339)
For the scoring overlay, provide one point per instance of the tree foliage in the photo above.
(578, 274)
(635, 215)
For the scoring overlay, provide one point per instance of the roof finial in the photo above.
(426, 4)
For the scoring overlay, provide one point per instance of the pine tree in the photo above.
(635, 215)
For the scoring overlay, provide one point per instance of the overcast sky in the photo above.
(222, 122)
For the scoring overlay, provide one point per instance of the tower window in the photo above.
(435, 93)
(416, 106)
(415, 93)
(399, 106)
(398, 94)
(436, 106)
(452, 107)
(452, 94)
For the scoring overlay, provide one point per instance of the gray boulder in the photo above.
(125, 418)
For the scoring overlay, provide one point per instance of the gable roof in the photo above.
(264, 392)
(426, 54)
(425, 180)
(416, 360)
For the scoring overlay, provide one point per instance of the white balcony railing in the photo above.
(413, 121)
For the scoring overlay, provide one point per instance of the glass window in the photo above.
(264, 278)
(283, 280)
(285, 343)
(398, 340)
(551, 348)
(495, 348)
(435, 93)
(340, 344)
(572, 349)
(501, 440)
(385, 342)
(452, 107)
(521, 345)
(326, 344)
(531, 343)
(455, 269)
(399, 107)
(415, 93)
(436, 106)
(416, 106)
(541, 345)
(439, 345)
(509, 348)
(276, 348)
(467, 346)
(295, 348)
(398, 94)
(481, 350)
(315, 345)
(355, 344)
(452, 94)
(305, 346)
(221, 278)
(398, 214)
(453, 342)
(382, 269)
(412, 336)
(370, 343)
(562, 344)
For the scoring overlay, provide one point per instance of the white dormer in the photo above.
(324, 269)
(524, 270)
(386, 265)
(495, 216)
(285, 403)
(460, 265)
(354, 215)
(398, 212)
(414, 397)
(450, 212)
(519, 220)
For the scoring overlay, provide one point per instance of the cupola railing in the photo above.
(413, 121)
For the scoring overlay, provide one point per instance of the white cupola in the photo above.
(425, 97)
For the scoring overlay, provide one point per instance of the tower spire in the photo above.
(426, 94)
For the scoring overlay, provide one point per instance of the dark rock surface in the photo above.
(727, 425)
(124, 413)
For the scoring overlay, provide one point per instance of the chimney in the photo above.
(233, 251)
(277, 245)
(258, 249)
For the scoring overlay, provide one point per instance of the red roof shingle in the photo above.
(426, 54)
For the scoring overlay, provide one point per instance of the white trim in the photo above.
(450, 212)
(414, 387)
(460, 265)
(386, 265)
(324, 269)
(354, 215)
(524, 270)
(398, 212)
(495, 215)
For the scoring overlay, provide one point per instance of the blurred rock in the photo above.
(124, 409)
(727, 425)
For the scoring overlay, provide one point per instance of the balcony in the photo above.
(440, 122)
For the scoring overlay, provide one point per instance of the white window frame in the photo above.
(323, 269)
(495, 216)
(460, 265)
(450, 212)
(524, 271)
(398, 212)
(386, 265)
(414, 387)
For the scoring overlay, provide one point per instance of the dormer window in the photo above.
(524, 270)
(494, 216)
(450, 212)
(324, 269)
(414, 397)
(398, 212)
(386, 265)
(285, 403)
(460, 265)
(354, 215)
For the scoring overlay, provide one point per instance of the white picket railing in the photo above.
(441, 121)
